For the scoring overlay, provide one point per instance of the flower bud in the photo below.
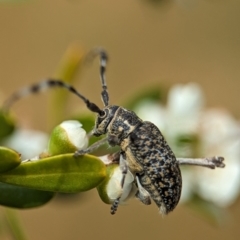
(110, 189)
(9, 159)
(67, 137)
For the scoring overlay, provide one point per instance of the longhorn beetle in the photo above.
(144, 150)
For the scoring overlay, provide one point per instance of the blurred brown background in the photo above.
(173, 42)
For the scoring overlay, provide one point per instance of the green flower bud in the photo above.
(9, 159)
(67, 137)
(110, 189)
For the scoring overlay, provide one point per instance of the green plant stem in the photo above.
(14, 225)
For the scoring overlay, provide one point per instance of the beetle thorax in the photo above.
(122, 124)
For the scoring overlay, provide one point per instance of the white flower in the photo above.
(184, 106)
(220, 135)
(27, 142)
(152, 112)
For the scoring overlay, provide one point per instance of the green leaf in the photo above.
(14, 225)
(7, 125)
(9, 159)
(70, 63)
(187, 144)
(61, 173)
(153, 93)
(20, 197)
(69, 67)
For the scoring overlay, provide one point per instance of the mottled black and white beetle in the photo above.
(144, 150)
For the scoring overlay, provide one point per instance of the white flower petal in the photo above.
(114, 189)
(105, 159)
(187, 185)
(185, 100)
(184, 107)
(217, 126)
(27, 142)
(76, 134)
(152, 112)
(222, 186)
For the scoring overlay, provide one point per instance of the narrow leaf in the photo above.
(14, 225)
(20, 197)
(69, 67)
(61, 173)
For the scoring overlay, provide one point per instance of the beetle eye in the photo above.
(102, 114)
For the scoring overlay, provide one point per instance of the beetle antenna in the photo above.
(103, 62)
(46, 84)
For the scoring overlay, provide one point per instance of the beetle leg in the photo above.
(142, 194)
(91, 148)
(124, 168)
